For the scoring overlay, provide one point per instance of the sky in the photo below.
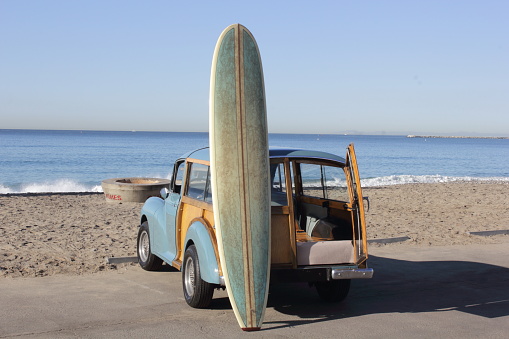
(358, 67)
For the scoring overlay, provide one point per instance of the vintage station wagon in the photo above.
(318, 232)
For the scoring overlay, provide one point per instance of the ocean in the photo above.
(77, 161)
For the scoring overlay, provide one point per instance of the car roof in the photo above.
(274, 152)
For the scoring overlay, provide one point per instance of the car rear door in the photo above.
(360, 241)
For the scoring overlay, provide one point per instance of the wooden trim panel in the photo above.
(197, 203)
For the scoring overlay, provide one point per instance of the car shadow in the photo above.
(400, 286)
(167, 268)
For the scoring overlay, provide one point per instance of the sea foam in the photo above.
(424, 179)
(57, 186)
(5, 190)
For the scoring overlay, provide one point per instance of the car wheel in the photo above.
(146, 259)
(197, 292)
(333, 291)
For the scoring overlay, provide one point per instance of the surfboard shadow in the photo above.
(400, 286)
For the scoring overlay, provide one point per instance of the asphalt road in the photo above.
(417, 292)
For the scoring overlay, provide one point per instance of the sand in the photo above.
(64, 233)
(47, 234)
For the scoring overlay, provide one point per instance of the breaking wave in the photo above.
(57, 186)
(425, 179)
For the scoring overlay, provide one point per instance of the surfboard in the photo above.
(239, 164)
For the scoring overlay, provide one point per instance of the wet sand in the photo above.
(74, 234)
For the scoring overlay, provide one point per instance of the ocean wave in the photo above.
(424, 179)
(57, 186)
(5, 190)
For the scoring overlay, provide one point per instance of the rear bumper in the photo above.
(320, 273)
(355, 273)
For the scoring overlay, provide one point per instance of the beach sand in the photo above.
(47, 234)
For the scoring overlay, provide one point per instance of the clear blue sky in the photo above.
(395, 67)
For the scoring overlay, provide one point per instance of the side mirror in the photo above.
(366, 199)
(165, 192)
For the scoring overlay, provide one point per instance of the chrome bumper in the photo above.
(351, 273)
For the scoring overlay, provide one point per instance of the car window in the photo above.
(324, 182)
(178, 176)
(208, 189)
(199, 182)
(278, 186)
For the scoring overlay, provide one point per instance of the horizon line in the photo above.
(346, 133)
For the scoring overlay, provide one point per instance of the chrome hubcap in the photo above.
(144, 246)
(189, 276)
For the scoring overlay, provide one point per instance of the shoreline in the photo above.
(31, 194)
(415, 180)
(45, 234)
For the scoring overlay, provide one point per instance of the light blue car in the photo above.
(318, 232)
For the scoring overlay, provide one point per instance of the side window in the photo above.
(208, 190)
(278, 184)
(178, 176)
(311, 176)
(199, 182)
(324, 182)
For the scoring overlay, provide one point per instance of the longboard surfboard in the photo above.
(240, 173)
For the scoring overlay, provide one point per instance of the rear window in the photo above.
(324, 182)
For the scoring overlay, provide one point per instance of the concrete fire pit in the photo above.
(132, 189)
